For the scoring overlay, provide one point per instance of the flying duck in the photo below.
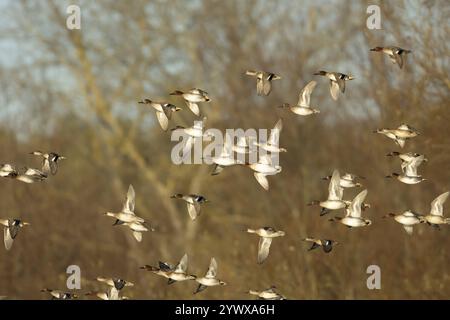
(60, 295)
(7, 170)
(327, 245)
(192, 97)
(263, 81)
(353, 213)
(225, 158)
(116, 284)
(406, 157)
(348, 180)
(12, 227)
(436, 216)
(105, 295)
(209, 280)
(410, 175)
(272, 145)
(396, 54)
(337, 81)
(163, 110)
(303, 106)
(335, 194)
(266, 235)
(128, 218)
(193, 202)
(263, 168)
(267, 294)
(29, 175)
(399, 135)
(174, 274)
(407, 219)
(193, 134)
(50, 161)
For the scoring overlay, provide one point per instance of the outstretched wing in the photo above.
(335, 191)
(182, 265)
(262, 180)
(275, 133)
(130, 202)
(305, 95)
(267, 86)
(194, 107)
(193, 210)
(437, 206)
(398, 59)
(263, 249)
(163, 120)
(355, 210)
(8, 239)
(334, 89)
(212, 270)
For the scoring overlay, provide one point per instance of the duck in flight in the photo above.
(12, 227)
(163, 110)
(335, 194)
(410, 175)
(399, 135)
(210, 279)
(353, 216)
(267, 294)
(60, 295)
(128, 218)
(272, 145)
(193, 202)
(303, 106)
(192, 98)
(326, 244)
(266, 234)
(263, 81)
(263, 168)
(396, 54)
(348, 180)
(407, 219)
(49, 161)
(436, 215)
(337, 81)
(173, 274)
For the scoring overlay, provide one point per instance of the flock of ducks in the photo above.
(262, 168)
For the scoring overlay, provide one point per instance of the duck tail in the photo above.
(176, 93)
(177, 196)
(393, 153)
(145, 101)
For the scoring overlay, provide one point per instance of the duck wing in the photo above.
(398, 59)
(274, 137)
(130, 201)
(163, 120)
(305, 95)
(137, 235)
(267, 86)
(334, 90)
(400, 142)
(263, 249)
(408, 229)
(262, 180)
(193, 209)
(212, 270)
(437, 206)
(8, 239)
(259, 87)
(355, 207)
(200, 288)
(182, 265)
(194, 107)
(335, 191)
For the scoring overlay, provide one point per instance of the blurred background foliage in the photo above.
(76, 93)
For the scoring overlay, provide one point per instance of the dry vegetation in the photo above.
(76, 93)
